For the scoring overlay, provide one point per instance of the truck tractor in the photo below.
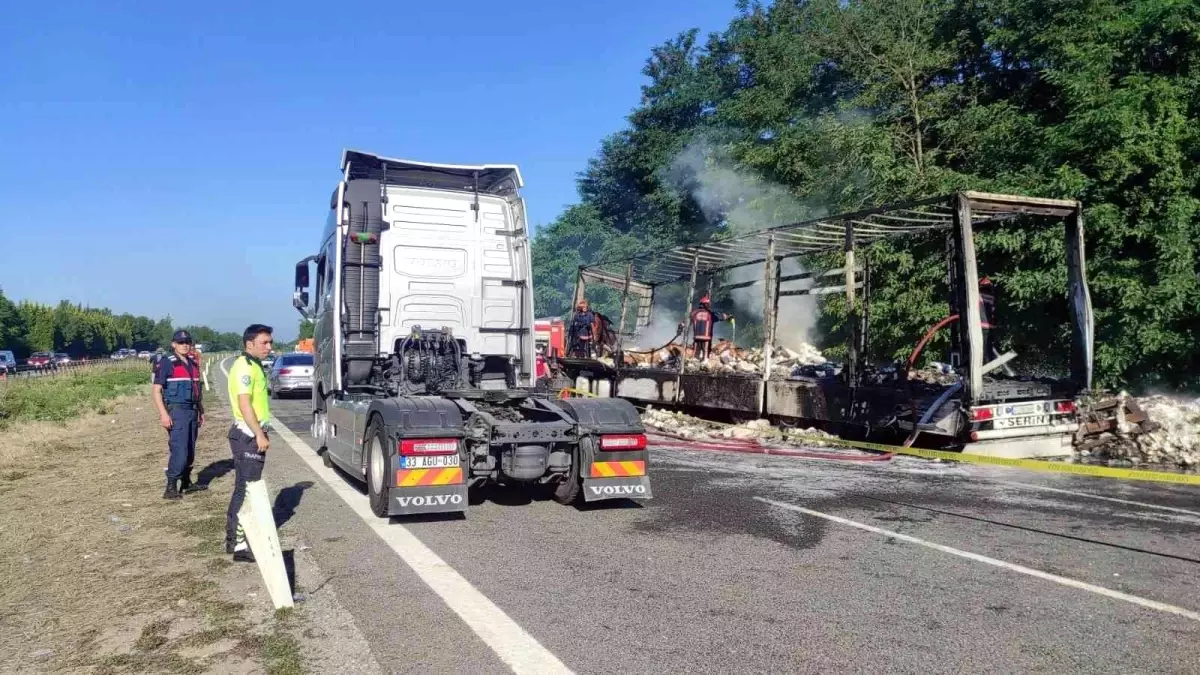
(423, 385)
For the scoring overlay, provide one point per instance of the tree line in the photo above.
(807, 107)
(28, 327)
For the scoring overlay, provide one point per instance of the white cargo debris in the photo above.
(725, 358)
(1171, 436)
(761, 430)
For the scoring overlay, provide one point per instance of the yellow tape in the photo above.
(1029, 464)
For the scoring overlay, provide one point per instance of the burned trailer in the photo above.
(977, 404)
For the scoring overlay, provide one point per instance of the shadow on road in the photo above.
(289, 564)
(287, 500)
(214, 471)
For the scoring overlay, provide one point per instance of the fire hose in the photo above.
(912, 359)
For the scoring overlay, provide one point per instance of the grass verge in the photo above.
(114, 579)
(62, 396)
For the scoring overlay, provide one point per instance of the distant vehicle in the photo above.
(60, 357)
(199, 347)
(40, 359)
(8, 362)
(143, 355)
(305, 345)
(291, 372)
(269, 362)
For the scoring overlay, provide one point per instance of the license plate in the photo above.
(1013, 422)
(430, 462)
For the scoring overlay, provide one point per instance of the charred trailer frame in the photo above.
(851, 399)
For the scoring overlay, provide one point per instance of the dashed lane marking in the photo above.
(519, 650)
(1073, 583)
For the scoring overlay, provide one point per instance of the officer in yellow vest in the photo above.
(248, 440)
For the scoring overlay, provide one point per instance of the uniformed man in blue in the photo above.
(248, 439)
(178, 397)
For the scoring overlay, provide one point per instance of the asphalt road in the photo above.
(1009, 571)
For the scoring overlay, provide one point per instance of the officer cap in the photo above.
(181, 337)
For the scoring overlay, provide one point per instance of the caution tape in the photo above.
(1028, 464)
(968, 458)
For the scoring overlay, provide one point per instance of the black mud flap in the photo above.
(597, 489)
(407, 501)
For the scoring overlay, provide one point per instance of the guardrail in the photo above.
(24, 371)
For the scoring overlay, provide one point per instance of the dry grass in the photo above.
(66, 394)
(103, 575)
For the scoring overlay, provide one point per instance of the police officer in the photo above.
(248, 439)
(177, 395)
(702, 326)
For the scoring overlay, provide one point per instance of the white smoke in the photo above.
(741, 202)
(663, 328)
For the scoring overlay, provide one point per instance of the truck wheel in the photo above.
(568, 491)
(378, 491)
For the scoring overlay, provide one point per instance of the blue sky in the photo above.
(162, 159)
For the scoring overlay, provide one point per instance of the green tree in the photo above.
(843, 104)
(13, 329)
(306, 329)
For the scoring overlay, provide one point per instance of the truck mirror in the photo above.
(302, 275)
(300, 301)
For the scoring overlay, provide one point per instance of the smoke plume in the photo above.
(740, 202)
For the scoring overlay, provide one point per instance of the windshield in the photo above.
(297, 360)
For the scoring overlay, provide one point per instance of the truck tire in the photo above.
(569, 490)
(378, 492)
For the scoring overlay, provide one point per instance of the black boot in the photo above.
(187, 487)
(172, 491)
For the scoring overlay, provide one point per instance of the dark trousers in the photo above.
(700, 348)
(582, 349)
(181, 442)
(247, 466)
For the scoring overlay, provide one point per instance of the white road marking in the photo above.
(1144, 505)
(1073, 583)
(515, 647)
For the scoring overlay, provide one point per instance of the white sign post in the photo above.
(258, 522)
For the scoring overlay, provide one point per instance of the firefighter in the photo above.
(702, 326)
(542, 368)
(581, 335)
(177, 395)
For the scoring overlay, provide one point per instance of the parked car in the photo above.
(40, 359)
(61, 358)
(143, 355)
(8, 362)
(269, 362)
(290, 373)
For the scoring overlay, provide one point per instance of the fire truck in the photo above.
(550, 337)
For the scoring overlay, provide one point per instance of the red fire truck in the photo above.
(551, 336)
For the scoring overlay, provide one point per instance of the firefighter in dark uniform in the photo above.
(178, 397)
(702, 326)
(581, 334)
